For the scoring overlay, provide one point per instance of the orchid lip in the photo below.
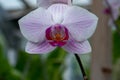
(57, 35)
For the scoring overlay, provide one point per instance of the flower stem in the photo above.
(81, 67)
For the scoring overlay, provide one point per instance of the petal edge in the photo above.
(33, 25)
(80, 23)
(42, 48)
(78, 48)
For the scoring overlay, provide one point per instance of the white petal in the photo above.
(34, 24)
(39, 48)
(115, 5)
(57, 11)
(80, 23)
(78, 48)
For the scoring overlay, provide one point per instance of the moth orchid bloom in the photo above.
(115, 5)
(59, 25)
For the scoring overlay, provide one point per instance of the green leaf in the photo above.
(22, 60)
(55, 64)
(116, 47)
(4, 65)
(6, 71)
(36, 69)
(117, 22)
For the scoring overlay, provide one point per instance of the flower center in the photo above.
(57, 35)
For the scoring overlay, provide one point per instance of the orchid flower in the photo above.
(59, 25)
(115, 6)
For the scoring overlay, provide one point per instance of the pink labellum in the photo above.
(57, 35)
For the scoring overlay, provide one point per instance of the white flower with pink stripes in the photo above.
(59, 25)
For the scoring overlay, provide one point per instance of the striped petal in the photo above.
(77, 47)
(80, 23)
(34, 24)
(57, 11)
(39, 48)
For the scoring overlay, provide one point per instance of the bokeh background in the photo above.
(16, 64)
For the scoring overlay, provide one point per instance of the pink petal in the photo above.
(47, 3)
(41, 48)
(115, 4)
(115, 13)
(80, 23)
(34, 24)
(57, 11)
(78, 48)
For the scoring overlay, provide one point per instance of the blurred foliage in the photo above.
(116, 46)
(116, 42)
(116, 70)
(116, 52)
(49, 68)
(56, 60)
(22, 60)
(33, 67)
(6, 71)
(40, 67)
(117, 22)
